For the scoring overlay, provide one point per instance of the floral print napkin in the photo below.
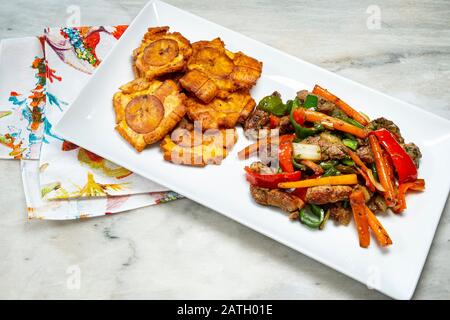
(28, 109)
(39, 208)
(22, 98)
(67, 171)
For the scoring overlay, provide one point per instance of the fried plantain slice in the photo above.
(194, 148)
(147, 110)
(214, 71)
(221, 113)
(247, 70)
(161, 53)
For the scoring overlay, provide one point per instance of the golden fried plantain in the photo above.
(221, 113)
(246, 70)
(192, 147)
(147, 110)
(161, 53)
(214, 71)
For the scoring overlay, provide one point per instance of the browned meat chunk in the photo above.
(388, 125)
(323, 105)
(276, 198)
(414, 152)
(327, 194)
(258, 119)
(286, 125)
(377, 204)
(328, 149)
(340, 214)
(260, 167)
(366, 154)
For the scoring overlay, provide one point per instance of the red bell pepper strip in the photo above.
(404, 165)
(300, 192)
(299, 116)
(285, 152)
(270, 181)
(418, 185)
(274, 121)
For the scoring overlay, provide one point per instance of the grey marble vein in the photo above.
(182, 249)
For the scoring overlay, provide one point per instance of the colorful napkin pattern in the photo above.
(67, 171)
(38, 208)
(31, 69)
(22, 98)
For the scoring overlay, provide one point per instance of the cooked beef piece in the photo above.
(345, 169)
(260, 167)
(327, 194)
(323, 105)
(340, 214)
(366, 154)
(388, 125)
(362, 142)
(377, 204)
(312, 140)
(414, 152)
(328, 149)
(276, 94)
(258, 119)
(277, 198)
(286, 125)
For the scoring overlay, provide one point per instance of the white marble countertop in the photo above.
(184, 250)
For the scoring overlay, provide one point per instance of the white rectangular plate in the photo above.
(393, 271)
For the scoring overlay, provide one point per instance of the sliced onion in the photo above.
(307, 151)
(328, 125)
(376, 184)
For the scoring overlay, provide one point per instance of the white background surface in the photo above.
(184, 250)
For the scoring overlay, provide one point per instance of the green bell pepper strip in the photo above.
(331, 172)
(312, 216)
(301, 131)
(298, 166)
(329, 168)
(348, 162)
(273, 105)
(328, 164)
(352, 144)
(341, 115)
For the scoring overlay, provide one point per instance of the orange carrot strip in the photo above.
(254, 148)
(377, 228)
(248, 151)
(383, 172)
(338, 124)
(345, 179)
(357, 159)
(363, 170)
(357, 202)
(352, 113)
(313, 166)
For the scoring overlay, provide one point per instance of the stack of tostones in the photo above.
(216, 84)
